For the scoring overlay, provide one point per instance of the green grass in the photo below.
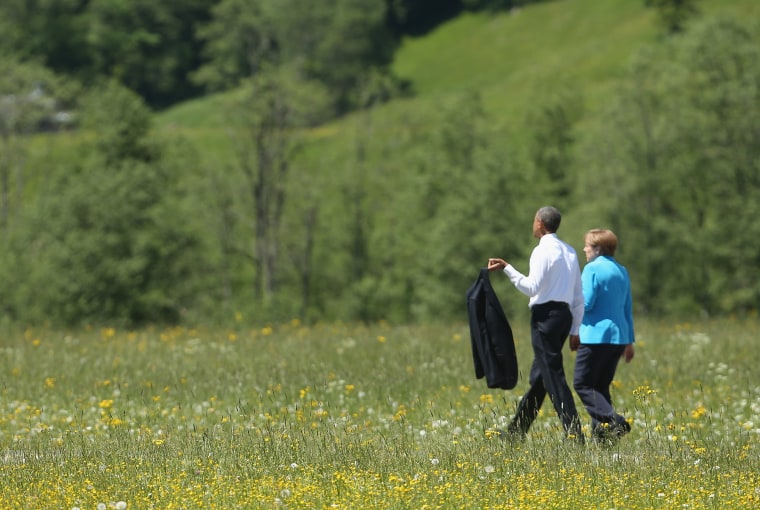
(508, 57)
(350, 416)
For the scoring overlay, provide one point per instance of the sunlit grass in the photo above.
(350, 416)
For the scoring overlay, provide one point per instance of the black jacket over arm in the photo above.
(493, 346)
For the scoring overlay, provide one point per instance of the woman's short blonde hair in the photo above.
(605, 240)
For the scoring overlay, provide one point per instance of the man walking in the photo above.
(554, 287)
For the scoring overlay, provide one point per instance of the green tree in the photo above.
(150, 47)
(681, 165)
(339, 43)
(32, 99)
(277, 104)
(673, 14)
(473, 196)
(353, 43)
(424, 222)
(238, 40)
(111, 240)
(552, 124)
(417, 17)
(51, 32)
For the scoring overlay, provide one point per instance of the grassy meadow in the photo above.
(362, 416)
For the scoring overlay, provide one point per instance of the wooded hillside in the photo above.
(259, 204)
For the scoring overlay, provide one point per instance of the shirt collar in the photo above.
(547, 237)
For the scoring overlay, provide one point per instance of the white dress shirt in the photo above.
(554, 276)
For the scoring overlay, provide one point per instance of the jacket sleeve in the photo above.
(588, 277)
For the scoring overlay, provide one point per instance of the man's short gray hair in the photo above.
(550, 217)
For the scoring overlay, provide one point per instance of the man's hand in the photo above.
(575, 342)
(496, 264)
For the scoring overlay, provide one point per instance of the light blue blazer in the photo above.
(608, 312)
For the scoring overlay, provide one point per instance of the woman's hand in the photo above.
(628, 353)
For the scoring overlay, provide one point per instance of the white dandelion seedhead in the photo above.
(121, 505)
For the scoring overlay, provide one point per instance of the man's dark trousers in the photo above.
(549, 326)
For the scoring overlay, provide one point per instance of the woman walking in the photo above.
(606, 333)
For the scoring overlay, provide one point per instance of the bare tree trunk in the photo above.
(5, 169)
(264, 152)
(269, 200)
(277, 106)
(310, 224)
